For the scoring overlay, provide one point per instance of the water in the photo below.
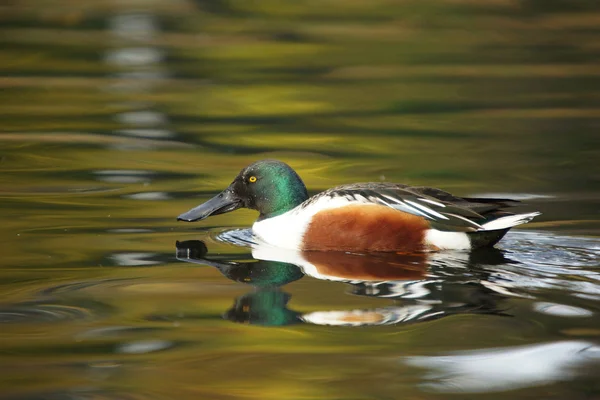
(116, 117)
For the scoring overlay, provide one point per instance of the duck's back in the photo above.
(390, 217)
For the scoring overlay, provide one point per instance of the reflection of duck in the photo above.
(268, 305)
(359, 217)
(422, 287)
(257, 273)
(265, 307)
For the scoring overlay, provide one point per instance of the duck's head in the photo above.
(268, 186)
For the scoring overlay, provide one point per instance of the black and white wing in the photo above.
(443, 211)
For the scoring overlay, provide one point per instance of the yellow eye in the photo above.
(252, 179)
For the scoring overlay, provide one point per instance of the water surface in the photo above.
(116, 117)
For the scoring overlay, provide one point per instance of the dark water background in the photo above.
(116, 116)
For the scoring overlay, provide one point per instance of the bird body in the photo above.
(360, 217)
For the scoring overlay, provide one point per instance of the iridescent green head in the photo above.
(268, 186)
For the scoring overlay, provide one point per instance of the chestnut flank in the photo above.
(365, 228)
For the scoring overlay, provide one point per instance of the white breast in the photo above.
(285, 231)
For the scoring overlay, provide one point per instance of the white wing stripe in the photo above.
(411, 210)
(475, 224)
(435, 203)
(394, 200)
(426, 209)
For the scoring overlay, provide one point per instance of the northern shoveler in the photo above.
(360, 217)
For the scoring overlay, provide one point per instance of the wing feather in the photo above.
(443, 210)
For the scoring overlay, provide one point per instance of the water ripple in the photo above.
(561, 310)
(47, 313)
(78, 286)
(552, 250)
(81, 394)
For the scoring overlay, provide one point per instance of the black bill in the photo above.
(222, 203)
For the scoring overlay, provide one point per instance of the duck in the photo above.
(359, 217)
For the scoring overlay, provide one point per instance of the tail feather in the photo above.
(509, 221)
(491, 200)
